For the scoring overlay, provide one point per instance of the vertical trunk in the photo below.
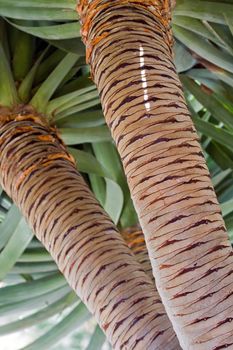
(129, 49)
(40, 176)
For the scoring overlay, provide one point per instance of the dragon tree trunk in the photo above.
(41, 178)
(129, 48)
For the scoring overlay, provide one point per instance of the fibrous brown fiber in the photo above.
(40, 176)
(135, 240)
(130, 53)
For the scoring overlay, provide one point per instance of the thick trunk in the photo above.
(129, 49)
(135, 240)
(40, 176)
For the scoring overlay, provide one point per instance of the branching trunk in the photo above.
(41, 177)
(129, 50)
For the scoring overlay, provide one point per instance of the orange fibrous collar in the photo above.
(88, 10)
(21, 113)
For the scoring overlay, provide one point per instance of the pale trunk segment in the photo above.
(129, 50)
(41, 177)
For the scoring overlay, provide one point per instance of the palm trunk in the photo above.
(129, 50)
(41, 177)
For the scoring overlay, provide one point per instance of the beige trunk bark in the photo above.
(41, 177)
(129, 50)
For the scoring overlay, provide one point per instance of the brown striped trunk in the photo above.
(135, 240)
(41, 177)
(129, 50)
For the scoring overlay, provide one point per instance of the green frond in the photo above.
(67, 325)
(48, 87)
(8, 93)
(49, 32)
(23, 46)
(14, 247)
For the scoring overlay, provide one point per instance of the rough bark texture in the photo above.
(129, 50)
(41, 177)
(135, 240)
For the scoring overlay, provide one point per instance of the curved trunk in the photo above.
(40, 176)
(135, 240)
(129, 49)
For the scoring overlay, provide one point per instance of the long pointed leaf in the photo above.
(227, 207)
(34, 288)
(217, 109)
(9, 225)
(40, 315)
(22, 54)
(195, 26)
(8, 94)
(62, 4)
(52, 32)
(87, 163)
(70, 45)
(84, 119)
(77, 98)
(35, 255)
(114, 200)
(46, 90)
(85, 135)
(33, 303)
(204, 48)
(71, 322)
(205, 10)
(14, 248)
(25, 87)
(34, 267)
(97, 340)
(217, 179)
(61, 103)
(36, 13)
(76, 109)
